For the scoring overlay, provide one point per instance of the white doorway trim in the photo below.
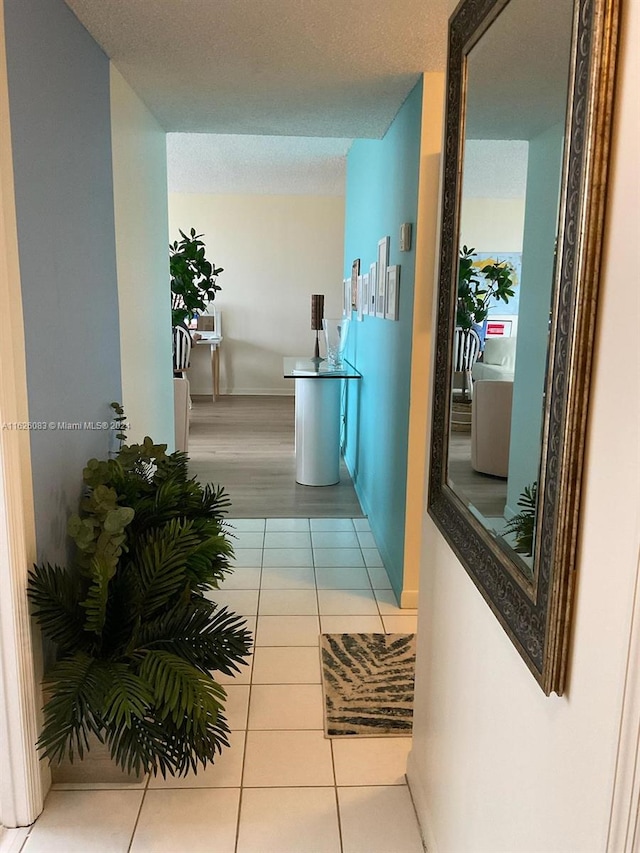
(21, 783)
(624, 823)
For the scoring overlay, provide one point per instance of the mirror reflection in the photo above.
(515, 117)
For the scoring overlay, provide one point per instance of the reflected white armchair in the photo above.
(491, 427)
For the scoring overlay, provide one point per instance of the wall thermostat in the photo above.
(405, 237)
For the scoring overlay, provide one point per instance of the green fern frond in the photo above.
(158, 565)
(522, 525)
(128, 697)
(181, 692)
(143, 747)
(210, 639)
(215, 500)
(55, 594)
(198, 748)
(162, 747)
(76, 686)
(95, 604)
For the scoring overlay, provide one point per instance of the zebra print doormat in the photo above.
(367, 681)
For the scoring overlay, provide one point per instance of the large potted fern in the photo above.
(137, 637)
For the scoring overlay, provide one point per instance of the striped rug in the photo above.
(368, 684)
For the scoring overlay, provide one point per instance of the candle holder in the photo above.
(317, 314)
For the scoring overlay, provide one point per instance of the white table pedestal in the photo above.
(318, 431)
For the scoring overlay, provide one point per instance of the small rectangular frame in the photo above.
(381, 285)
(393, 293)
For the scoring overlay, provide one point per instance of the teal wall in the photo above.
(382, 193)
(544, 175)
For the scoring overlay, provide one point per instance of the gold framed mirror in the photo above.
(528, 115)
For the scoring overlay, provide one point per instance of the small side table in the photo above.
(212, 340)
(317, 434)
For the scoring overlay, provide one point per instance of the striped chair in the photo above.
(466, 350)
(181, 351)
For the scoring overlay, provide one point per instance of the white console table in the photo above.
(317, 419)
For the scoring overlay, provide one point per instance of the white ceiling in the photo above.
(271, 67)
(251, 71)
(518, 72)
(256, 165)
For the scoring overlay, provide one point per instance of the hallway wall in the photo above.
(142, 240)
(496, 766)
(61, 135)
(276, 250)
(382, 193)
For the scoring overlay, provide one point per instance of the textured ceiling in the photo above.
(495, 168)
(250, 71)
(256, 165)
(518, 72)
(271, 67)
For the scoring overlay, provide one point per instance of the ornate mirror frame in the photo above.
(536, 613)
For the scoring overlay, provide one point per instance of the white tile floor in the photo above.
(282, 787)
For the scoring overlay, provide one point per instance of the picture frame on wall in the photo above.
(381, 284)
(355, 272)
(373, 278)
(365, 295)
(392, 306)
(360, 298)
(346, 296)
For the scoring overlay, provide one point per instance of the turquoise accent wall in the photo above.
(381, 194)
(544, 176)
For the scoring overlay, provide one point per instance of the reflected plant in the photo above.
(477, 287)
(522, 525)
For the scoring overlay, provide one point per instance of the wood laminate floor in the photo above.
(246, 444)
(488, 494)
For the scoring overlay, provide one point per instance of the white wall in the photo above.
(426, 243)
(276, 251)
(492, 224)
(496, 766)
(142, 256)
(493, 194)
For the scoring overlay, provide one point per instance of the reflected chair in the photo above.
(181, 351)
(181, 395)
(465, 353)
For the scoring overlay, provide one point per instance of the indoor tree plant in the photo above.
(193, 278)
(137, 638)
(477, 286)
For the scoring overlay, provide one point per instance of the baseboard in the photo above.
(245, 392)
(419, 797)
(258, 392)
(12, 840)
(409, 598)
(509, 512)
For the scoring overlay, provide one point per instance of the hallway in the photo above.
(282, 787)
(247, 443)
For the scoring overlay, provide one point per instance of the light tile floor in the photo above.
(282, 787)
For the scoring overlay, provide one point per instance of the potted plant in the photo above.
(137, 636)
(193, 278)
(477, 286)
(522, 525)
